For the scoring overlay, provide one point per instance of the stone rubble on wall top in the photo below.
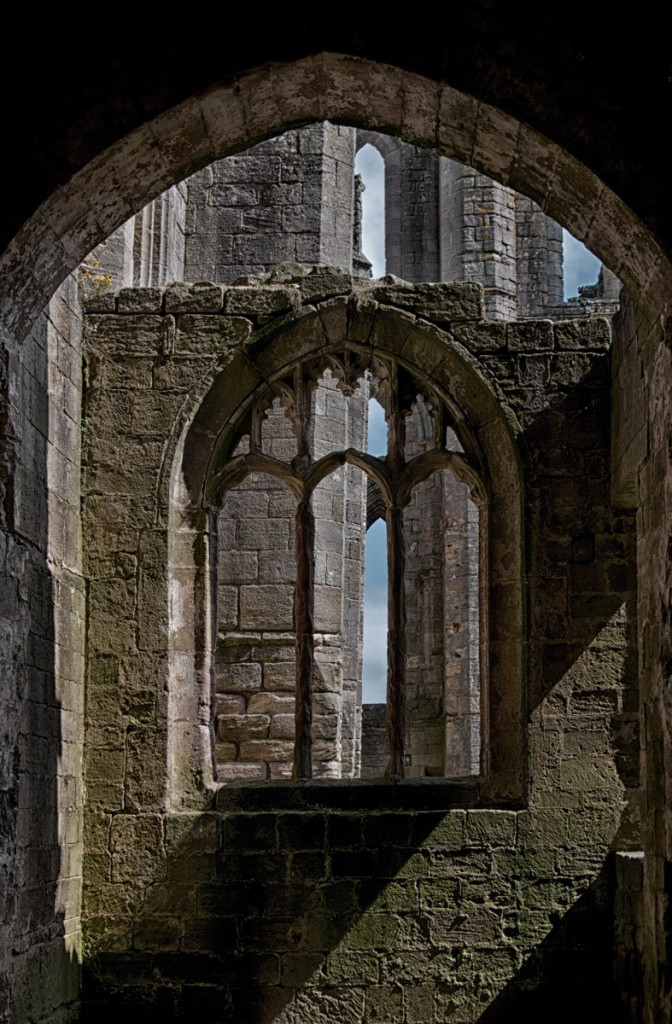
(292, 286)
(289, 286)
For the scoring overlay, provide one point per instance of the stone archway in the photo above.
(79, 215)
(324, 87)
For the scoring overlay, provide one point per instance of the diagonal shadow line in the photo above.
(570, 974)
(280, 895)
(273, 904)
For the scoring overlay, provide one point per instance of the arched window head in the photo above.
(293, 500)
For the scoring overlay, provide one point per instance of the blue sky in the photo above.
(374, 674)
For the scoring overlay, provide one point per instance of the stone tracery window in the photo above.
(295, 497)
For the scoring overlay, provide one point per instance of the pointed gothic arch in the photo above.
(441, 367)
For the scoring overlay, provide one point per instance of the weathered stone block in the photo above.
(238, 566)
(593, 333)
(269, 535)
(226, 752)
(98, 301)
(440, 302)
(230, 704)
(328, 608)
(282, 727)
(491, 828)
(328, 678)
(267, 750)
(138, 852)
(266, 301)
(266, 607)
(533, 336)
(242, 727)
(279, 676)
(324, 282)
(227, 607)
(209, 335)
(135, 335)
(481, 338)
(238, 678)
(202, 297)
(277, 567)
(270, 704)
(237, 771)
(140, 300)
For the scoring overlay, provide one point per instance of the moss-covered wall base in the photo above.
(354, 916)
(484, 900)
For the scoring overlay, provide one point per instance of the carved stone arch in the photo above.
(65, 231)
(347, 90)
(385, 144)
(375, 503)
(490, 437)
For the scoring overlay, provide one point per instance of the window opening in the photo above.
(377, 429)
(581, 267)
(374, 654)
(298, 493)
(374, 669)
(370, 170)
(339, 508)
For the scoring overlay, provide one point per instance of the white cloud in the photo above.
(377, 429)
(580, 266)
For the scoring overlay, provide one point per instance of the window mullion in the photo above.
(396, 642)
(304, 611)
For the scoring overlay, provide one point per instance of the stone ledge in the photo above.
(357, 795)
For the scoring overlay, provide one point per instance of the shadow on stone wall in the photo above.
(388, 910)
(40, 802)
(349, 917)
(569, 976)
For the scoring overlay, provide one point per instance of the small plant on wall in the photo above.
(92, 281)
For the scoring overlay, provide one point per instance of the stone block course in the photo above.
(193, 298)
(315, 897)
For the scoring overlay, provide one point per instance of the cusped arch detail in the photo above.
(358, 327)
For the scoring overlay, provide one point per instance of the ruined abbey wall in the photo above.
(42, 664)
(163, 885)
(332, 901)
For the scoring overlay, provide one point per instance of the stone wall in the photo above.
(642, 371)
(41, 668)
(539, 259)
(50, 241)
(443, 610)
(629, 944)
(413, 903)
(478, 235)
(290, 198)
(254, 659)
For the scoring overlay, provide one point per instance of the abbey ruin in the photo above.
(242, 834)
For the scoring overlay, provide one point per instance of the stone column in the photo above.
(539, 260)
(478, 235)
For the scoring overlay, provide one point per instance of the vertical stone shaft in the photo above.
(396, 643)
(304, 604)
